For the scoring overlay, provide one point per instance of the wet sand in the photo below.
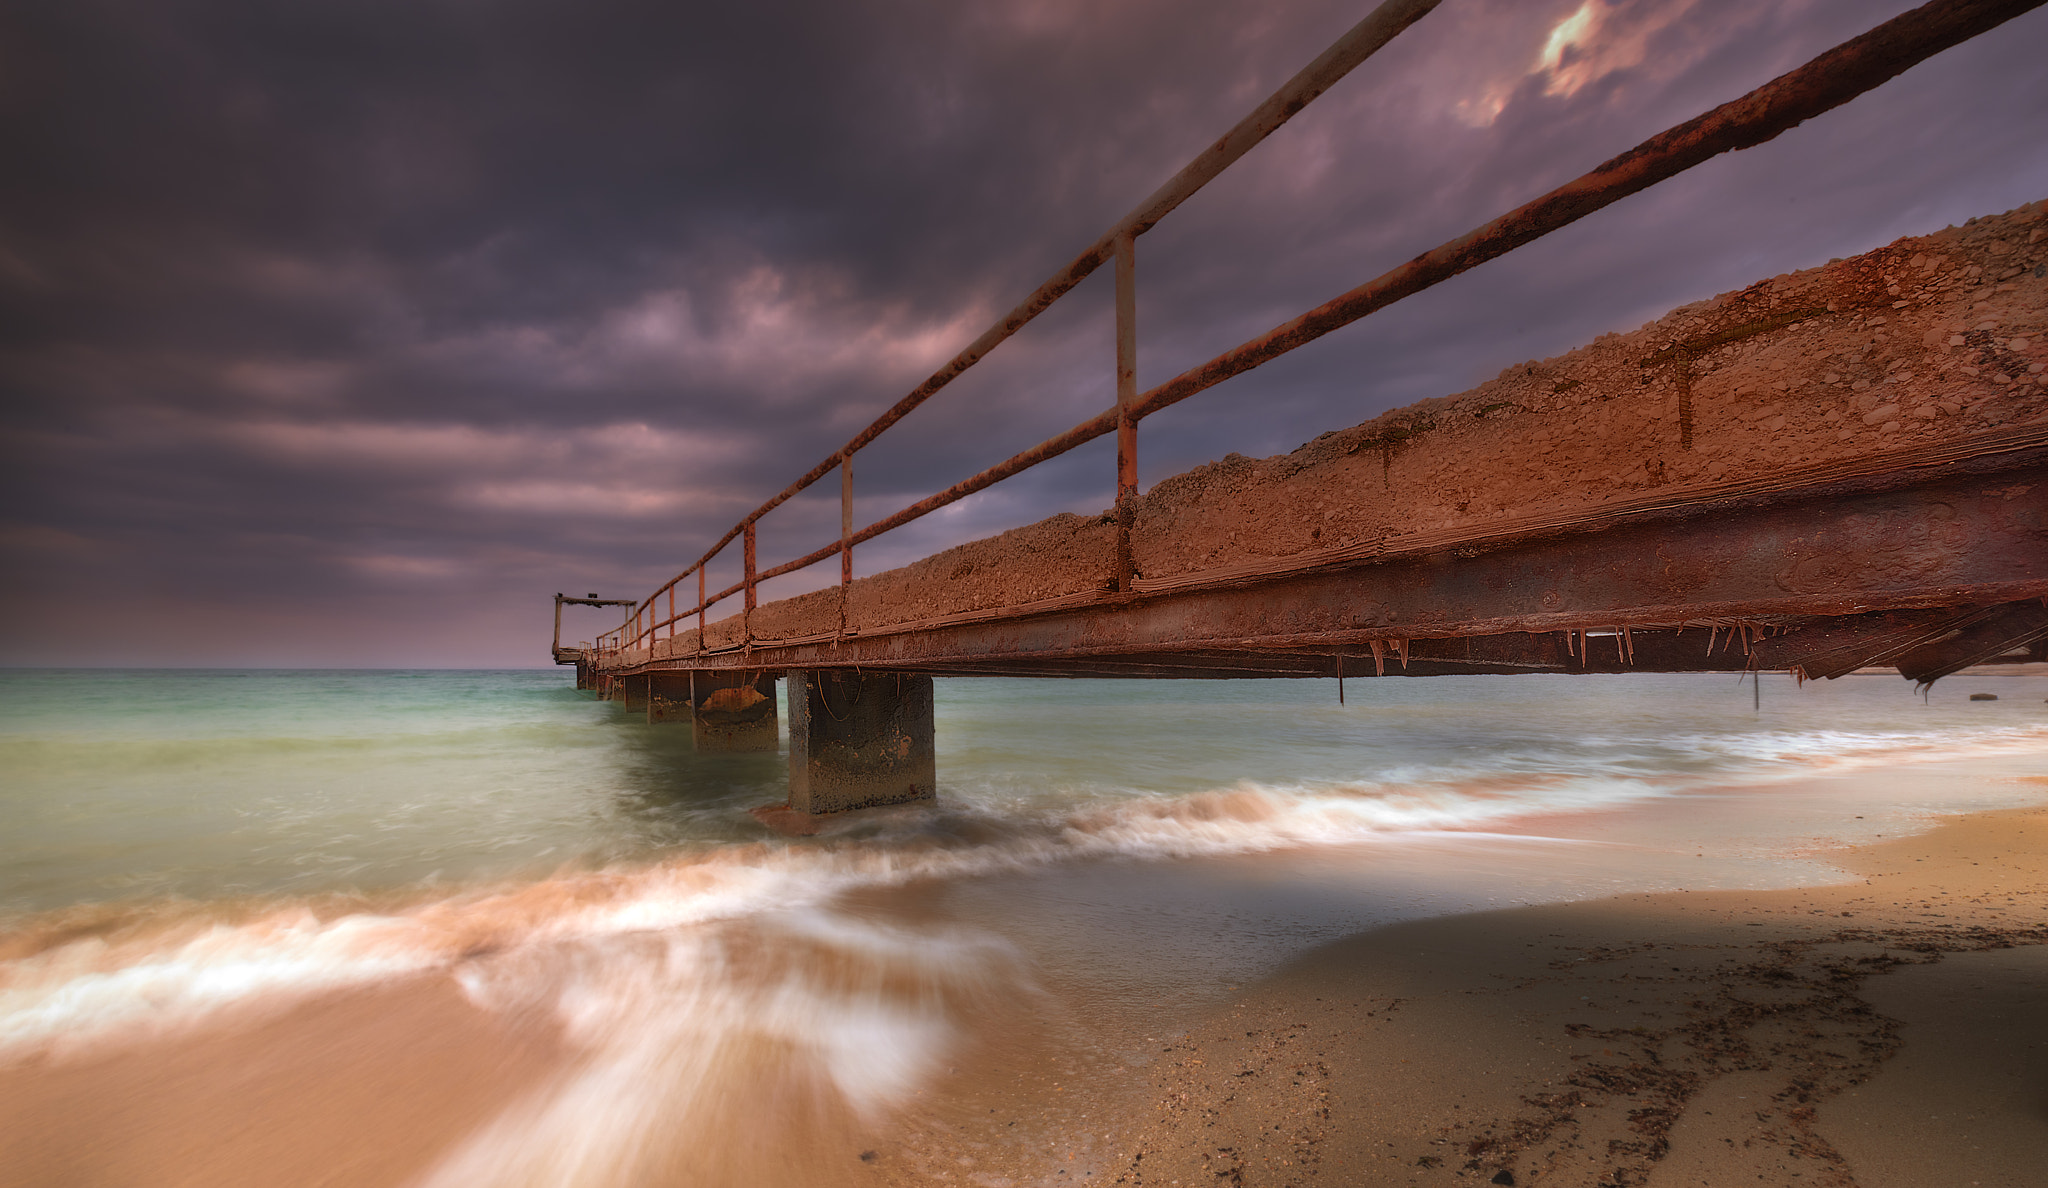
(1887, 1031)
(368, 1087)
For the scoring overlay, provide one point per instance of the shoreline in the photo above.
(1230, 1019)
(1885, 1031)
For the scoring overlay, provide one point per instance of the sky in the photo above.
(347, 333)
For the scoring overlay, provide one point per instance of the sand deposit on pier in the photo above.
(1931, 339)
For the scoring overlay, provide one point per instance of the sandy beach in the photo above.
(1224, 1020)
(1887, 1031)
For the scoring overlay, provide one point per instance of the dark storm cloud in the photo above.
(348, 332)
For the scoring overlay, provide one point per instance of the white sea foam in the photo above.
(695, 984)
(145, 980)
(688, 1033)
(77, 992)
(87, 990)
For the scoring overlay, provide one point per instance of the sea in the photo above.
(479, 928)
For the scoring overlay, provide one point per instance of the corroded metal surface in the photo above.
(1825, 553)
(1949, 541)
(1977, 636)
(1360, 42)
(573, 655)
(859, 740)
(733, 710)
(1826, 82)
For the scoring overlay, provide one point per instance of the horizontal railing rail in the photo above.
(1826, 82)
(1360, 42)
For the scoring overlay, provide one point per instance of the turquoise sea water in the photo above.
(204, 784)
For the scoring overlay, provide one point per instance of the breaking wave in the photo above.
(76, 977)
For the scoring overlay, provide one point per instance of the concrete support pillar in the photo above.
(585, 679)
(633, 692)
(735, 710)
(859, 740)
(668, 697)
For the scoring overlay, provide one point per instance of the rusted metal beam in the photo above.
(1937, 642)
(1363, 40)
(1080, 434)
(1824, 83)
(1827, 81)
(747, 549)
(1997, 632)
(1199, 665)
(1963, 538)
(1649, 650)
(846, 521)
(1826, 650)
(1126, 399)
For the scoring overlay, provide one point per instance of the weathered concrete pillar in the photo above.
(859, 740)
(668, 697)
(633, 692)
(735, 710)
(583, 674)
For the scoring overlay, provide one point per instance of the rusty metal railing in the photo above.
(1826, 82)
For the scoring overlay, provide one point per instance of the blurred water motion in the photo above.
(471, 928)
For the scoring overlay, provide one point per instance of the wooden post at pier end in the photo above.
(734, 710)
(859, 740)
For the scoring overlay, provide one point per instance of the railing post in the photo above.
(1126, 397)
(845, 535)
(846, 521)
(700, 605)
(747, 621)
(671, 617)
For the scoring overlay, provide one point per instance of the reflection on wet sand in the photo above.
(365, 1087)
(740, 1052)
